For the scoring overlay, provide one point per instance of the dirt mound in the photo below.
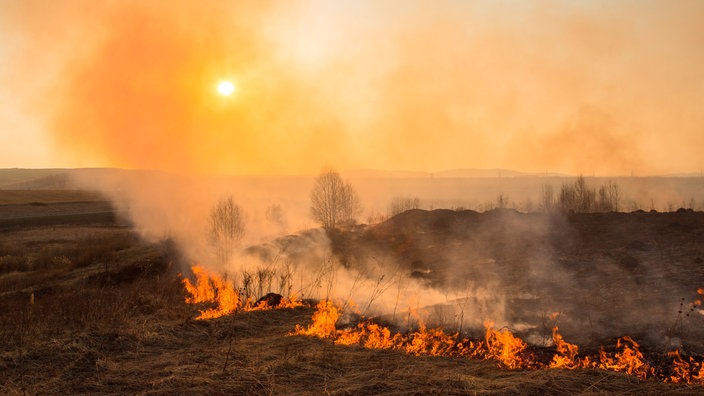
(603, 275)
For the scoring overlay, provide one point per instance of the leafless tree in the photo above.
(401, 204)
(609, 197)
(226, 228)
(333, 202)
(547, 198)
(579, 198)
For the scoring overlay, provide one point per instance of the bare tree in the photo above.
(333, 202)
(547, 197)
(608, 198)
(579, 198)
(401, 204)
(226, 228)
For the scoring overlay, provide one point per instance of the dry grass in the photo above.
(17, 197)
(140, 338)
(118, 324)
(251, 353)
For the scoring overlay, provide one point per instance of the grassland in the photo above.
(92, 309)
(19, 197)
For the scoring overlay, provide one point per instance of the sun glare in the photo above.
(226, 88)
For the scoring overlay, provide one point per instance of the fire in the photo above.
(500, 345)
(434, 342)
(504, 346)
(685, 371)
(629, 360)
(212, 289)
(566, 356)
(324, 320)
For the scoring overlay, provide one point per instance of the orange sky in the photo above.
(593, 87)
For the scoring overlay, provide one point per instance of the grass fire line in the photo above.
(211, 289)
(501, 345)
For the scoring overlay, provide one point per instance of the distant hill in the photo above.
(449, 174)
(52, 179)
(32, 179)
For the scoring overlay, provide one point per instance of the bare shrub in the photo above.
(579, 198)
(226, 228)
(547, 198)
(608, 198)
(401, 204)
(334, 202)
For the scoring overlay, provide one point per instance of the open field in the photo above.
(22, 208)
(92, 309)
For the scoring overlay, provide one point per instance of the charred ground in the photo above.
(604, 275)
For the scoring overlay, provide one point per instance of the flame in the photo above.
(212, 289)
(629, 360)
(685, 371)
(434, 342)
(500, 345)
(566, 356)
(324, 320)
(286, 302)
(504, 346)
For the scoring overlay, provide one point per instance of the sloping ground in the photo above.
(603, 275)
(115, 322)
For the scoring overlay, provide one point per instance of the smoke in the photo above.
(586, 87)
(605, 88)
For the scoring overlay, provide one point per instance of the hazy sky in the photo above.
(593, 87)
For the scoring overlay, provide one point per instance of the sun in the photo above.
(226, 88)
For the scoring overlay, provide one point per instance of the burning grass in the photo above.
(220, 297)
(121, 325)
(502, 346)
(509, 351)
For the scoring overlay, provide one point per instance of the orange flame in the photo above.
(213, 289)
(566, 356)
(685, 372)
(434, 342)
(290, 302)
(324, 320)
(629, 360)
(210, 288)
(500, 345)
(504, 346)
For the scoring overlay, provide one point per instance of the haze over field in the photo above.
(593, 87)
(205, 125)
